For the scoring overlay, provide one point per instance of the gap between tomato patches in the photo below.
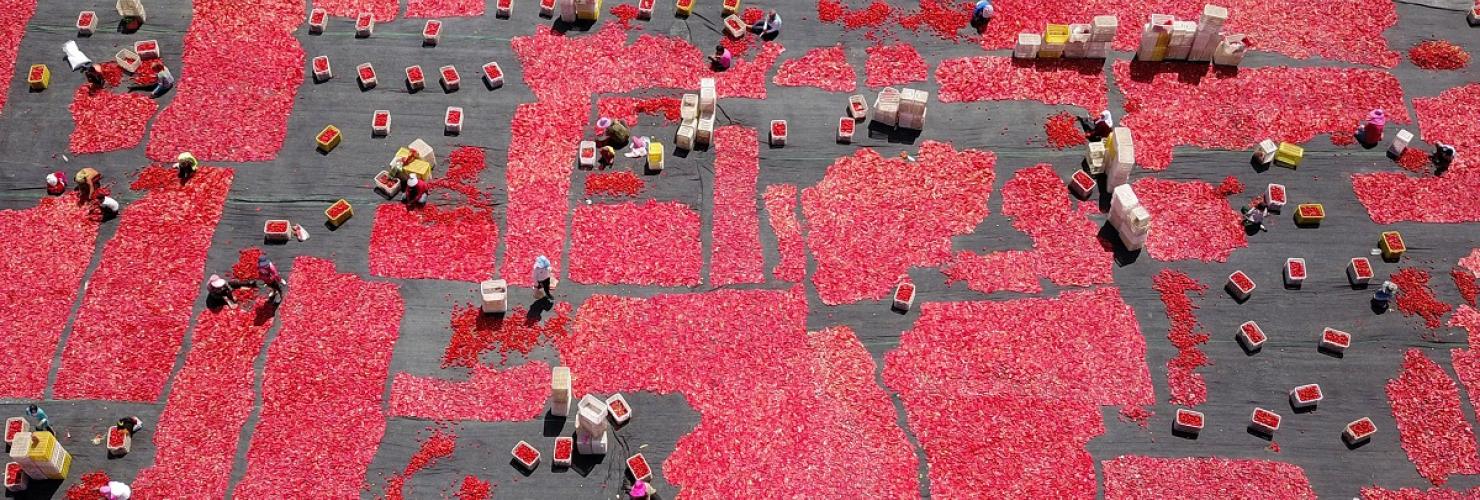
(755, 346)
(328, 365)
(137, 307)
(36, 299)
(211, 397)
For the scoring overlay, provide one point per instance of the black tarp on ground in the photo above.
(300, 182)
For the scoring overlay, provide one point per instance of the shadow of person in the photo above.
(537, 310)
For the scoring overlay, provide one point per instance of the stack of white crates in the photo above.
(886, 106)
(697, 113)
(40, 455)
(560, 391)
(1027, 46)
(1084, 41)
(1101, 34)
(1120, 157)
(1130, 219)
(1156, 36)
(1230, 51)
(1209, 33)
(591, 426)
(1166, 38)
(912, 109)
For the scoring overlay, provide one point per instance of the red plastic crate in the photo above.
(364, 25)
(147, 49)
(415, 77)
(87, 21)
(1188, 421)
(12, 427)
(565, 448)
(526, 455)
(1335, 340)
(453, 120)
(1306, 396)
(450, 79)
(1265, 420)
(1251, 336)
(1240, 285)
(638, 466)
(904, 296)
(316, 21)
(493, 75)
(366, 73)
(1359, 430)
(1082, 184)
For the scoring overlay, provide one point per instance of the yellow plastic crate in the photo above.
(592, 15)
(39, 77)
(66, 467)
(1289, 155)
(341, 216)
(421, 168)
(1309, 214)
(728, 7)
(655, 155)
(1056, 34)
(1392, 245)
(329, 138)
(42, 445)
(684, 7)
(1050, 54)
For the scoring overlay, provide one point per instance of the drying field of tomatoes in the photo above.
(833, 307)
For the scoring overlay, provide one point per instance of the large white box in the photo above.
(1027, 46)
(495, 296)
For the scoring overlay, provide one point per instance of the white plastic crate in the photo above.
(451, 80)
(453, 120)
(416, 79)
(87, 22)
(364, 25)
(317, 19)
(493, 75)
(380, 123)
(322, 70)
(431, 32)
(147, 49)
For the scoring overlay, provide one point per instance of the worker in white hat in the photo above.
(416, 190)
(115, 490)
(56, 183)
(219, 292)
(110, 207)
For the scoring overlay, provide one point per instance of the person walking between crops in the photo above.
(542, 277)
(721, 59)
(268, 273)
(769, 27)
(56, 183)
(87, 181)
(42, 423)
(416, 191)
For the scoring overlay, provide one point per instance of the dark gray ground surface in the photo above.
(300, 182)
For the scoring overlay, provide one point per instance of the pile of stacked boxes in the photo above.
(1130, 219)
(1165, 38)
(696, 112)
(578, 10)
(39, 456)
(1069, 40)
(901, 108)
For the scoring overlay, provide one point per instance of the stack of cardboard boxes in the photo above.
(1069, 40)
